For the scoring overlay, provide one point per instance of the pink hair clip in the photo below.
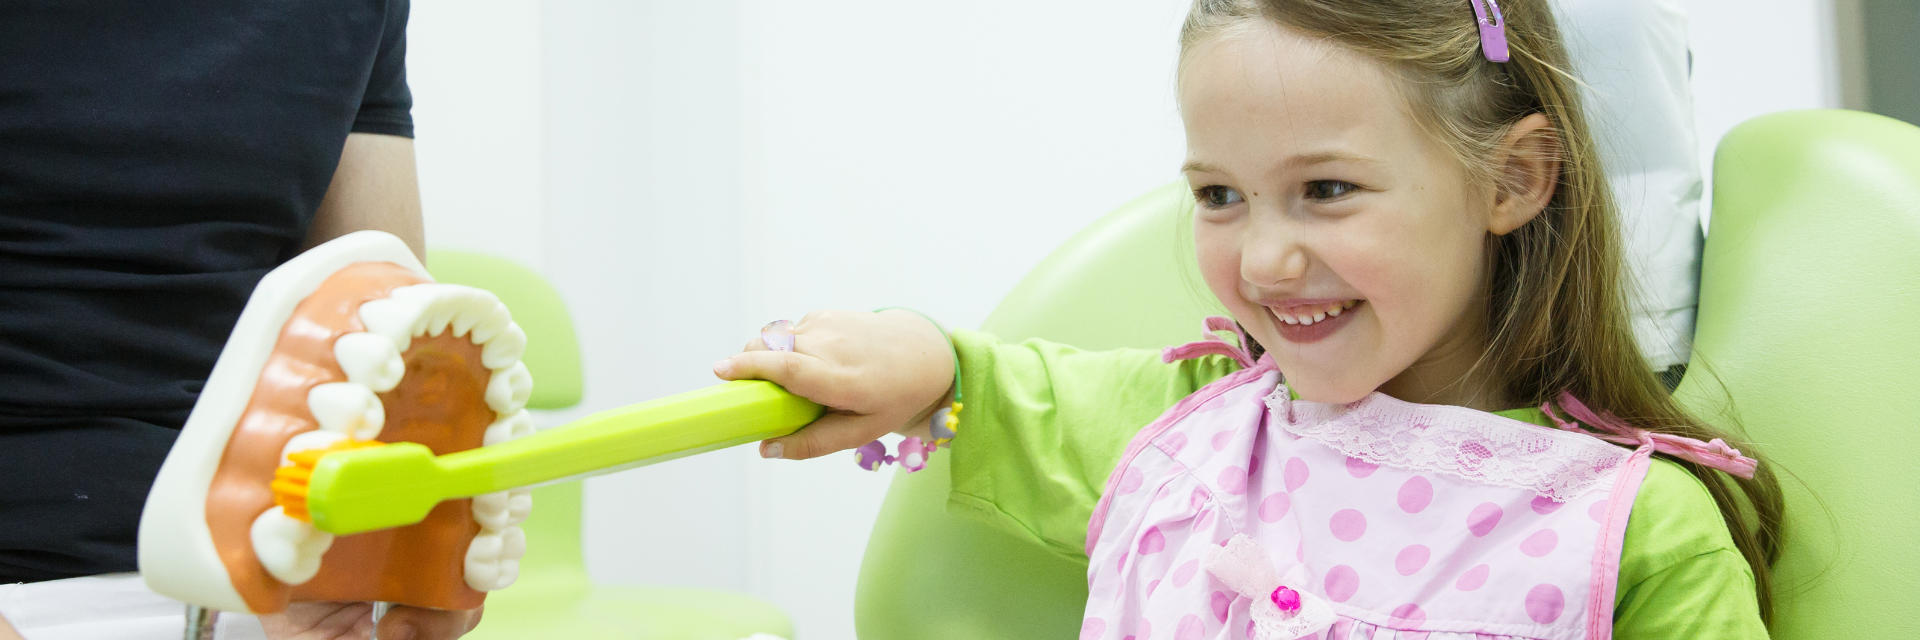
(1493, 30)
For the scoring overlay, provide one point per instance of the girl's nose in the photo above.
(1270, 256)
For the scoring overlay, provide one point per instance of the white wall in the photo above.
(479, 123)
(689, 170)
(926, 155)
(1754, 57)
(644, 223)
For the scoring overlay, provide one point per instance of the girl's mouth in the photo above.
(1312, 324)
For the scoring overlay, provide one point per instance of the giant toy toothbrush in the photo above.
(360, 489)
(363, 437)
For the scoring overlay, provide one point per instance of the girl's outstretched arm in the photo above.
(1043, 426)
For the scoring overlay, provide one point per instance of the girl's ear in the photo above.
(1528, 162)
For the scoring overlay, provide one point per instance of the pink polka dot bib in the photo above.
(1381, 519)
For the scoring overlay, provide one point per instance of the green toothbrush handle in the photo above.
(398, 484)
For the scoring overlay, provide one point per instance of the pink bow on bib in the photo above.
(1279, 610)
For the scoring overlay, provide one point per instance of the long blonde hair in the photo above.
(1557, 298)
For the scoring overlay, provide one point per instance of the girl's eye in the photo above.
(1216, 197)
(1329, 189)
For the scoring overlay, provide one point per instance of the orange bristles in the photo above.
(290, 481)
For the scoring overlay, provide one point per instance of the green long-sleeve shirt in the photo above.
(1045, 423)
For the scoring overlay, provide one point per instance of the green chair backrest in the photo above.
(553, 560)
(1810, 317)
(928, 574)
(1810, 313)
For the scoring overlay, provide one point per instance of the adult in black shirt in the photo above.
(156, 159)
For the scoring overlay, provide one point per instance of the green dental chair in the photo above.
(553, 597)
(1809, 315)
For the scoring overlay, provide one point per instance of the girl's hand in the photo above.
(875, 372)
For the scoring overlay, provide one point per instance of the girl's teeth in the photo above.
(1331, 311)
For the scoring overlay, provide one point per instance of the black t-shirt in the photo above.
(156, 159)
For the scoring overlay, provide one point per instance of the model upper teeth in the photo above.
(1309, 315)
(291, 549)
(370, 360)
(348, 408)
(508, 389)
(309, 440)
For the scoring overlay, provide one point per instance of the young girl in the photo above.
(1440, 426)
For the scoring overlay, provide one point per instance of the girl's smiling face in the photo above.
(1321, 200)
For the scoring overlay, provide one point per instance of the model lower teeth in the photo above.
(290, 549)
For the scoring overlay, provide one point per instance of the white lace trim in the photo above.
(1461, 442)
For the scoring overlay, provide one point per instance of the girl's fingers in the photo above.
(800, 374)
(831, 433)
(781, 367)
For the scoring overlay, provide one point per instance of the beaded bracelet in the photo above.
(942, 426)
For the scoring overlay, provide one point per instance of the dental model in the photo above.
(343, 348)
(363, 438)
